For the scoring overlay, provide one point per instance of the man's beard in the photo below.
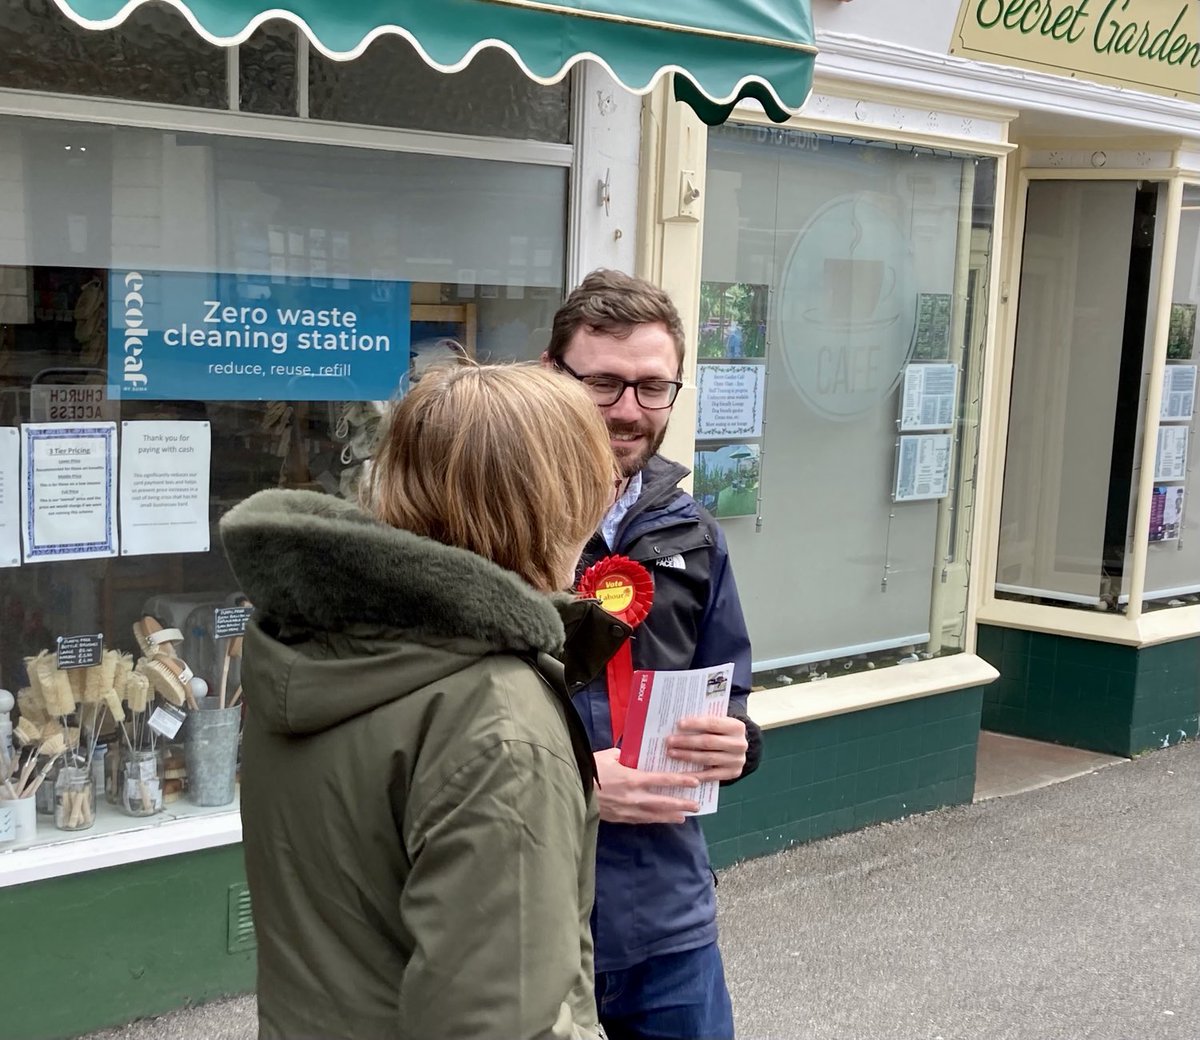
(631, 464)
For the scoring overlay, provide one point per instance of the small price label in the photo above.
(165, 720)
(79, 651)
(231, 621)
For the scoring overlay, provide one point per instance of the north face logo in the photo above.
(674, 563)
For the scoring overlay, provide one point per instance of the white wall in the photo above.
(609, 130)
(923, 24)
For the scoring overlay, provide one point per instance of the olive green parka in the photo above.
(419, 823)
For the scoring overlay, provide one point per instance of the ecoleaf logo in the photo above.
(134, 375)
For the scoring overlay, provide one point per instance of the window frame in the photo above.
(1135, 626)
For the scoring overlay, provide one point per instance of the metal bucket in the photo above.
(211, 747)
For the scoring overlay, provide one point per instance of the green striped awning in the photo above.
(719, 50)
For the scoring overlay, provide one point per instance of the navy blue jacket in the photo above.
(654, 887)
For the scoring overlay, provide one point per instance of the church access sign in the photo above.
(1150, 45)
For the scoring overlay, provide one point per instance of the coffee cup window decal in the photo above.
(847, 306)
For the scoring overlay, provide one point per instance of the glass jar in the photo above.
(44, 797)
(100, 768)
(139, 783)
(112, 774)
(74, 799)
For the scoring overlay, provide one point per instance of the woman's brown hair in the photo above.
(511, 462)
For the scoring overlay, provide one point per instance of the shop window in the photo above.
(1173, 563)
(154, 55)
(1080, 365)
(268, 82)
(185, 320)
(390, 85)
(843, 316)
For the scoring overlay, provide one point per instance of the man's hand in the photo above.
(716, 742)
(625, 795)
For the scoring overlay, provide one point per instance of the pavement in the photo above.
(1071, 912)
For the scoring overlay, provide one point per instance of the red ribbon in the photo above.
(626, 590)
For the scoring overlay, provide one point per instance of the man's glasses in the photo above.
(607, 390)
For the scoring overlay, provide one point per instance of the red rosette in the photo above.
(626, 590)
(623, 587)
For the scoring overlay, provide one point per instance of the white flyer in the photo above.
(164, 487)
(1178, 393)
(729, 400)
(923, 467)
(928, 400)
(68, 490)
(10, 497)
(658, 700)
(1170, 461)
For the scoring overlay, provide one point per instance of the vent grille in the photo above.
(241, 920)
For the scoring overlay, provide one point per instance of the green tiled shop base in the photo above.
(848, 771)
(105, 947)
(1101, 696)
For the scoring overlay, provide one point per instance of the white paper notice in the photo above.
(1171, 461)
(929, 397)
(1178, 393)
(729, 400)
(923, 470)
(164, 487)
(10, 497)
(657, 702)
(68, 490)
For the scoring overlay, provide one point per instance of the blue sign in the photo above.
(219, 337)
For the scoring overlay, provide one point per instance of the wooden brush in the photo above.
(57, 693)
(170, 677)
(31, 706)
(136, 689)
(233, 649)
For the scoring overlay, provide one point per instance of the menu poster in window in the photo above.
(1170, 463)
(923, 467)
(725, 478)
(929, 397)
(10, 497)
(1166, 513)
(933, 327)
(68, 491)
(164, 487)
(1178, 393)
(199, 336)
(729, 400)
(1181, 334)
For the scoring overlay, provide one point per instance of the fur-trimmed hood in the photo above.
(351, 614)
(313, 562)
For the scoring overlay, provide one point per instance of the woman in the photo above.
(416, 790)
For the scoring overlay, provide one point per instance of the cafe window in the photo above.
(843, 317)
(186, 319)
(1173, 561)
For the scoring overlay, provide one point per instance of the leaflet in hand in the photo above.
(657, 702)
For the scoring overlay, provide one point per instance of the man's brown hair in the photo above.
(511, 462)
(613, 303)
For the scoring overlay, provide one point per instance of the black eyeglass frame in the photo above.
(625, 385)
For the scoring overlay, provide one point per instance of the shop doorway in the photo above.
(1090, 264)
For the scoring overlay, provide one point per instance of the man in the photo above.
(658, 969)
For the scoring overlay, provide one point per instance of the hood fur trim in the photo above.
(316, 562)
